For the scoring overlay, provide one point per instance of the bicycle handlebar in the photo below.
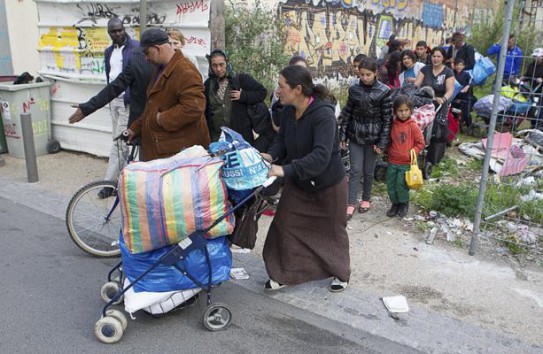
(123, 136)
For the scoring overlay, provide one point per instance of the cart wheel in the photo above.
(119, 316)
(427, 170)
(53, 146)
(217, 317)
(108, 330)
(109, 290)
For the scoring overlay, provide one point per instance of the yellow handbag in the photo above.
(413, 177)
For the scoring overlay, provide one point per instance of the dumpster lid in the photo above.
(9, 86)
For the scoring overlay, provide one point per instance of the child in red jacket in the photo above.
(404, 136)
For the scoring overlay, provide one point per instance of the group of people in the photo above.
(170, 107)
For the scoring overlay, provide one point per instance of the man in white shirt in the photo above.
(116, 57)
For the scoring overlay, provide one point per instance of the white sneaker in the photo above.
(338, 285)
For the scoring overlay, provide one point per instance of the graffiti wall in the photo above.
(329, 33)
(73, 34)
(72, 40)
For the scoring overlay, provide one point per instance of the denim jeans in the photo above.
(119, 121)
(363, 160)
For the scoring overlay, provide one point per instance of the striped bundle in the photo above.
(163, 201)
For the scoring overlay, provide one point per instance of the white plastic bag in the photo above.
(155, 303)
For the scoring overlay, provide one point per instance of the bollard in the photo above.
(30, 150)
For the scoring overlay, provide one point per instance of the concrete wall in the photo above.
(22, 17)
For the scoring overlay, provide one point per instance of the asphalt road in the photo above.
(50, 302)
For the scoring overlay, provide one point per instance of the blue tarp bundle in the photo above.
(168, 278)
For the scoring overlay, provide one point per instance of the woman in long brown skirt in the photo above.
(307, 239)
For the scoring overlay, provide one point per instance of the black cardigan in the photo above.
(309, 147)
(252, 92)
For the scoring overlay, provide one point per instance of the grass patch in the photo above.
(502, 196)
(514, 248)
(447, 167)
(379, 188)
(459, 243)
(460, 201)
(533, 209)
(421, 226)
(453, 201)
(475, 165)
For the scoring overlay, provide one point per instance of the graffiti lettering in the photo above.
(391, 4)
(197, 41)
(11, 131)
(27, 104)
(81, 39)
(40, 128)
(94, 11)
(191, 7)
(92, 65)
(152, 19)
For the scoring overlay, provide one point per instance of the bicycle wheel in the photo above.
(93, 222)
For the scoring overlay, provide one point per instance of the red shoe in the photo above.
(268, 212)
(364, 207)
(350, 211)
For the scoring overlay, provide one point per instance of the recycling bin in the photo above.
(33, 98)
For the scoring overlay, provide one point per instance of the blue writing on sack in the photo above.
(232, 159)
(244, 171)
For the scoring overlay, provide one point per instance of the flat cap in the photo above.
(153, 36)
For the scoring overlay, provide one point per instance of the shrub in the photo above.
(255, 42)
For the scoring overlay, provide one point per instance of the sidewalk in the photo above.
(458, 303)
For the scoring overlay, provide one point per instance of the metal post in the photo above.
(499, 78)
(29, 149)
(143, 16)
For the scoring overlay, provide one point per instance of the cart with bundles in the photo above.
(177, 219)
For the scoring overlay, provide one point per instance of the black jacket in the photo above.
(367, 117)
(251, 92)
(466, 53)
(136, 75)
(309, 147)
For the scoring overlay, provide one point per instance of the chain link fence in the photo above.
(509, 208)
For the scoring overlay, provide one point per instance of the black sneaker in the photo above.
(403, 209)
(393, 211)
(106, 192)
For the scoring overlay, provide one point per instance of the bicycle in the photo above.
(93, 222)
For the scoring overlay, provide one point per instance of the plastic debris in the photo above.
(532, 195)
(525, 235)
(395, 305)
(239, 274)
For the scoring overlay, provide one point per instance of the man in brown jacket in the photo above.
(174, 116)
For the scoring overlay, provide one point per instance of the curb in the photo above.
(419, 329)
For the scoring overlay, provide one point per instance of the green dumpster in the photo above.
(3, 143)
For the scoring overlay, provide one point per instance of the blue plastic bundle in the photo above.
(168, 278)
(484, 67)
(244, 168)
